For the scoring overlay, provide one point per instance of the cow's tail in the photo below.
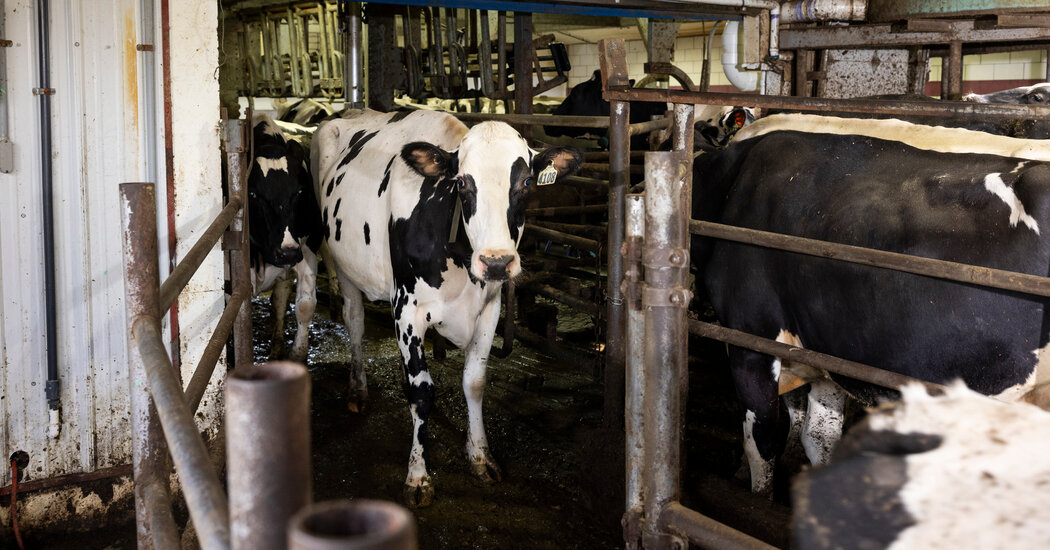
(508, 326)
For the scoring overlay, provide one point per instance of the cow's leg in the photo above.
(824, 417)
(477, 354)
(795, 403)
(305, 303)
(334, 295)
(279, 302)
(757, 394)
(419, 389)
(354, 318)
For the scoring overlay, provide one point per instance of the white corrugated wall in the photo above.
(97, 124)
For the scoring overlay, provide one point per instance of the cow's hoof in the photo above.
(358, 402)
(486, 471)
(419, 496)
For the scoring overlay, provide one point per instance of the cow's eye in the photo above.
(300, 192)
(461, 182)
(251, 194)
(528, 182)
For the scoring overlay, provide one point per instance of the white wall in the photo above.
(97, 122)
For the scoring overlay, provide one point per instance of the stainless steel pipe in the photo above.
(353, 525)
(267, 452)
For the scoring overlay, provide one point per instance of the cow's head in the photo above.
(494, 171)
(716, 131)
(278, 181)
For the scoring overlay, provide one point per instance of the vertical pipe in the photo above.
(353, 525)
(664, 304)
(52, 386)
(240, 258)
(268, 452)
(615, 350)
(635, 366)
(155, 526)
(355, 96)
(7, 149)
(501, 52)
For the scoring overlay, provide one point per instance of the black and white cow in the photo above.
(427, 214)
(306, 112)
(955, 471)
(1036, 94)
(942, 193)
(284, 225)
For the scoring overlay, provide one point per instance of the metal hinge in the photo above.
(666, 257)
(666, 297)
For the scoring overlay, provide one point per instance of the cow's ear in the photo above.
(566, 160)
(429, 160)
(597, 76)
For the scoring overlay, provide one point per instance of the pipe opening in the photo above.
(355, 524)
(273, 370)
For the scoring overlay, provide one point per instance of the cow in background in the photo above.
(1036, 94)
(955, 471)
(943, 193)
(422, 212)
(285, 228)
(306, 112)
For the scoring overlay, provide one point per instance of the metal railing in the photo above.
(656, 255)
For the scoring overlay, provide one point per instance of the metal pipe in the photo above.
(353, 86)
(619, 167)
(706, 532)
(268, 452)
(964, 109)
(572, 228)
(7, 149)
(811, 11)
(240, 257)
(206, 365)
(635, 370)
(664, 302)
(53, 386)
(953, 271)
(176, 281)
(639, 128)
(590, 245)
(360, 524)
(204, 497)
(562, 210)
(860, 371)
(559, 120)
(155, 524)
(557, 295)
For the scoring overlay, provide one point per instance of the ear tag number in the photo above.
(547, 175)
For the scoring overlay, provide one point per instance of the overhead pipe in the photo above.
(53, 385)
(820, 11)
(743, 80)
(353, 87)
(774, 17)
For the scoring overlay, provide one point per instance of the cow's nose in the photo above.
(289, 255)
(496, 266)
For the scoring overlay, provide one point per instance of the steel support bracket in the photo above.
(665, 297)
(666, 257)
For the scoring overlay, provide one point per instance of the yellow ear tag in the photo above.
(547, 175)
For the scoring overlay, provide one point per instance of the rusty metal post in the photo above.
(267, 452)
(353, 525)
(237, 239)
(155, 526)
(612, 55)
(635, 366)
(523, 67)
(664, 303)
(953, 71)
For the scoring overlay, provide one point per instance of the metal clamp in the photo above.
(665, 297)
(43, 91)
(666, 257)
(144, 47)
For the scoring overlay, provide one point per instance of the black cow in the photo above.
(284, 224)
(585, 99)
(423, 212)
(942, 193)
(957, 471)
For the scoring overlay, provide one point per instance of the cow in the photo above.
(306, 112)
(942, 193)
(426, 214)
(955, 471)
(1036, 94)
(284, 226)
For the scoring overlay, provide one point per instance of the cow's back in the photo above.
(972, 208)
(362, 183)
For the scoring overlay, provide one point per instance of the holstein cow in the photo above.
(427, 214)
(942, 193)
(957, 471)
(1036, 94)
(284, 225)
